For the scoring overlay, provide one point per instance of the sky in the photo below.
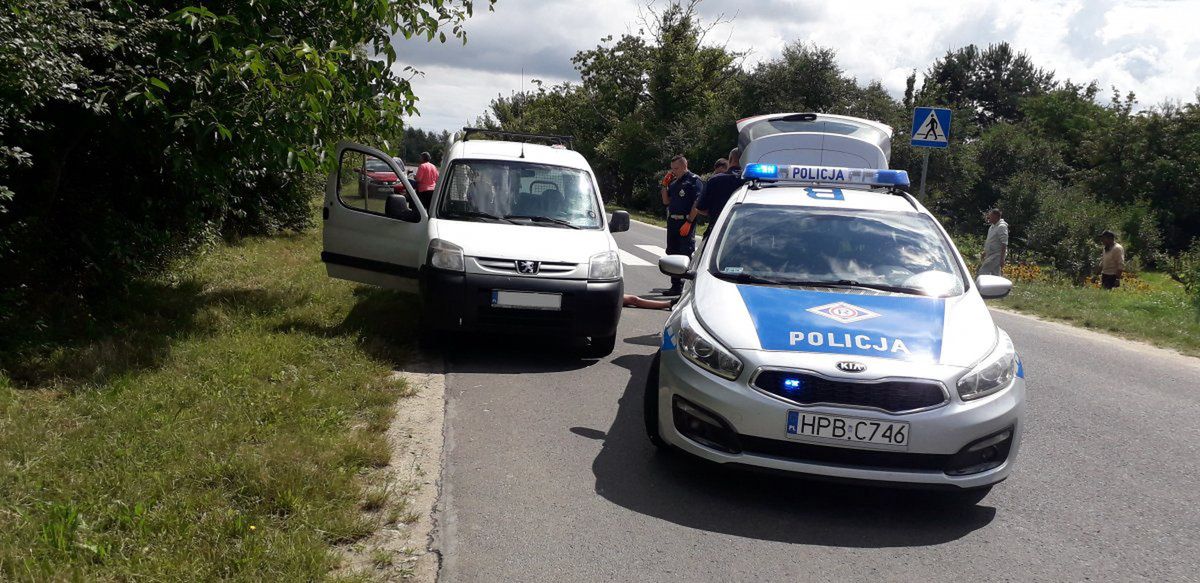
(1150, 47)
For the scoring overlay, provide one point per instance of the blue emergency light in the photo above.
(826, 174)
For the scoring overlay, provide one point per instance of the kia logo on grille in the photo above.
(851, 366)
(527, 267)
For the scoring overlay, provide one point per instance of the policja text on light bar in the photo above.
(830, 174)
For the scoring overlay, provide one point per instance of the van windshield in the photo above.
(520, 193)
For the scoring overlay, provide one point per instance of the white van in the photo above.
(516, 238)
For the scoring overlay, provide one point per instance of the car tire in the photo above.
(650, 405)
(600, 346)
(970, 497)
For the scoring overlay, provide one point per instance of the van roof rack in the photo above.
(568, 141)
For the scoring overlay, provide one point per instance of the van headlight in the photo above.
(605, 265)
(446, 255)
(698, 346)
(993, 373)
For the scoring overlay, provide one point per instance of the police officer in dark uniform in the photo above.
(719, 190)
(680, 190)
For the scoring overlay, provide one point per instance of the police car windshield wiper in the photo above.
(541, 219)
(750, 278)
(850, 283)
(890, 288)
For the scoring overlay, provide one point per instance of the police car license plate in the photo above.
(806, 426)
(526, 300)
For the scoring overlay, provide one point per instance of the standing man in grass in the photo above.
(995, 248)
(1112, 261)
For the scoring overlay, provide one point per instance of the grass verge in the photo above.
(216, 427)
(643, 216)
(1159, 312)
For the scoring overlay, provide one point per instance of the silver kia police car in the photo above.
(831, 328)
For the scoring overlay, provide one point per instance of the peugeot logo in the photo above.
(528, 267)
(851, 366)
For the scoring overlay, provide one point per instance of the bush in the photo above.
(1185, 269)
(1065, 230)
(131, 133)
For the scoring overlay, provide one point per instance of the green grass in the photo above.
(643, 216)
(217, 427)
(1161, 315)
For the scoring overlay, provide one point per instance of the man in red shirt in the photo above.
(427, 176)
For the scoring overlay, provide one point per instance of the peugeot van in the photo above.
(516, 238)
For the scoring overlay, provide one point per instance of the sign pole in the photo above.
(924, 169)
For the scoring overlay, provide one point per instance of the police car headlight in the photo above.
(605, 265)
(698, 346)
(446, 255)
(993, 373)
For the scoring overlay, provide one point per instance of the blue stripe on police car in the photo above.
(885, 326)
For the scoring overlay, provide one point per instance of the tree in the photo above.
(132, 132)
(990, 83)
(642, 98)
(804, 78)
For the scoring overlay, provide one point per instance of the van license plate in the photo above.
(804, 426)
(526, 300)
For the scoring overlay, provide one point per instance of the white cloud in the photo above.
(1149, 47)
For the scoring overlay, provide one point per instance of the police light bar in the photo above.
(831, 174)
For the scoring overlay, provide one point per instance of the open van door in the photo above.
(817, 139)
(375, 229)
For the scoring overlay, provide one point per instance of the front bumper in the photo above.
(455, 301)
(759, 424)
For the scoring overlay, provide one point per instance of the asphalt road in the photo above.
(549, 477)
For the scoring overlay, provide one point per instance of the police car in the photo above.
(831, 328)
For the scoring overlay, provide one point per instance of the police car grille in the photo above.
(894, 396)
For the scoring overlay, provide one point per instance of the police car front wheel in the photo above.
(650, 405)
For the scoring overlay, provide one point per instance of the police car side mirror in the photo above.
(618, 222)
(993, 287)
(675, 265)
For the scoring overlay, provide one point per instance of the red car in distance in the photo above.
(377, 180)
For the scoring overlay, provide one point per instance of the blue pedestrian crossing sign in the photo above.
(931, 127)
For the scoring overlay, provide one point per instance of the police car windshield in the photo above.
(885, 251)
(520, 192)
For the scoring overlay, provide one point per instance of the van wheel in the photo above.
(600, 346)
(650, 405)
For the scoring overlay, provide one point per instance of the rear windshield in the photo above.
(783, 126)
(890, 251)
(520, 192)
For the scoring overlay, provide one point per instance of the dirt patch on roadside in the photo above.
(407, 489)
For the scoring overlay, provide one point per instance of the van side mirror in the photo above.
(675, 265)
(618, 222)
(397, 207)
(993, 287)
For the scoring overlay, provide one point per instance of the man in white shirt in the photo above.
(1112, 261)
(995, 248)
